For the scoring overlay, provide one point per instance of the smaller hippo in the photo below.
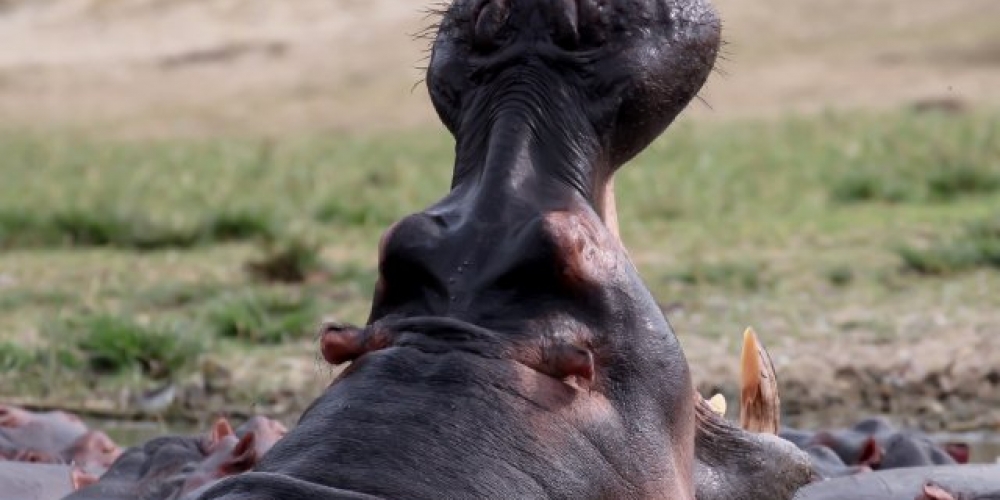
(178, 467)
(872, 444)
(229, 456)
(48, 433)
(32, 481)
(954, 482)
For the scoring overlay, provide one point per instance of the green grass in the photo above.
(794, 225)
(263, 318)
(749, 276)
(129, 230)
(978, 246)
(290, 260)
(113, 344)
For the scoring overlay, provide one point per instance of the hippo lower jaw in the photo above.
(732, 464)
(750, 463)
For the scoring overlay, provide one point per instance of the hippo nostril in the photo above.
(490, 17)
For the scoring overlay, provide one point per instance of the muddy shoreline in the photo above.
(947, 384)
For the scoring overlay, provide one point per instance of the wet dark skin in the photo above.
(512, 350)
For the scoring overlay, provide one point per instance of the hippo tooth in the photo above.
(760, 406)
(718, 404)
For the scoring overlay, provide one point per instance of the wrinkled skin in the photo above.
(512, 350)
(734, 465)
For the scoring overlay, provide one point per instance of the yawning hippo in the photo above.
(512, 350)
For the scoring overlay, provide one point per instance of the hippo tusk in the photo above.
(718, 404)
(760, 407)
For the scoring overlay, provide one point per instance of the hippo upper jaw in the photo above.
(633, 64)
(556, 95)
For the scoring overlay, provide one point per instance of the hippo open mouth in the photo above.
(512, 350)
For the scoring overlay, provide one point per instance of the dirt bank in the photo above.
(176, 67)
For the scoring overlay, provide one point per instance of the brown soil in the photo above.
(185, 67)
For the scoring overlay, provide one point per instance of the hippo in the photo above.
(512, 350)
(873, 444)
(46, 434)
(946, 482)
(56, 438)
(180, 467)
(34, 481)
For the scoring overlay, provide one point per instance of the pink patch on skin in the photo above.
(95, 449)
(80, 479)
(11, 417)
(934, 492)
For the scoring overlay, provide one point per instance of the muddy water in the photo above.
(985, 447)
(133, 433)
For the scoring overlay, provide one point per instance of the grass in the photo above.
(263, 318)
(287, 261)
(977, 246)
(112, 344)
(786, 224)
(749, 276)
(103, 227)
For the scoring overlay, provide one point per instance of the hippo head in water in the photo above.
(512, 350)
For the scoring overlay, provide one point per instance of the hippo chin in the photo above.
(512, 349)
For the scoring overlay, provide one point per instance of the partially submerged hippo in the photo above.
(512, 349)
(180, 467)
(955, 482)
(57, 438)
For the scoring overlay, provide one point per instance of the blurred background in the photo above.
(187, 187)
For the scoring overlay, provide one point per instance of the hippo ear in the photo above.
(871, 454)
(220, 430)
(242, 458)
(80, 479)
(935, 492)
(12, 417)
(760, 406)
(958, 451)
